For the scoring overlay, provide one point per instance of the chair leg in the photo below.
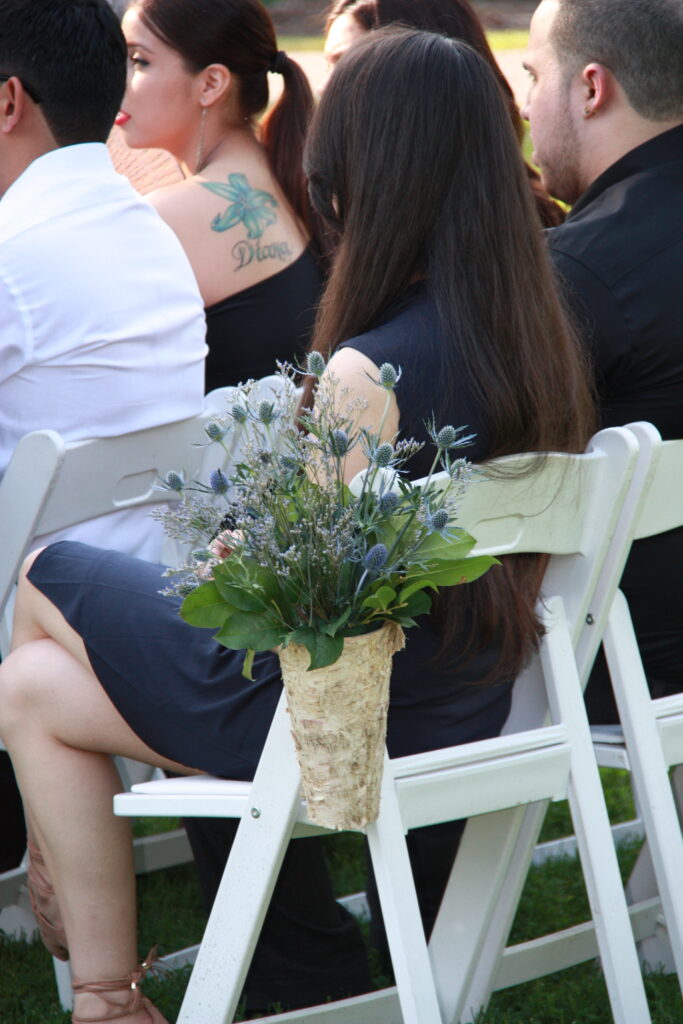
(649, 768)
(489, 894)
(405, 934)
(591, 823)
(248, 881)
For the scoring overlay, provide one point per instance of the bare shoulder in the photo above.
(235, 226)
(350, 370)
(176, 203)
(354, 370)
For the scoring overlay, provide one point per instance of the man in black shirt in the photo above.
(605, 108)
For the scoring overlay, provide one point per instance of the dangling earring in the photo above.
(199, 155)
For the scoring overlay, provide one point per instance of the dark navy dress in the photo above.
(184, 694)
(273, 319)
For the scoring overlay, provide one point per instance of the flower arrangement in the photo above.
(288, 552)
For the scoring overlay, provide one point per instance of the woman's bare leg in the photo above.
(60, 728)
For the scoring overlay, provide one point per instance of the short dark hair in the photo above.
(71, 54)
(640, 41)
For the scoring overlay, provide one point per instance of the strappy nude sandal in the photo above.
(135, 1002)
(44, 904)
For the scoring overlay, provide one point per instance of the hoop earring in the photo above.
(199, 155)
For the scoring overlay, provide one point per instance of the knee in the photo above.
(20, 698)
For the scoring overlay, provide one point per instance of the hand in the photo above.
(223, 544)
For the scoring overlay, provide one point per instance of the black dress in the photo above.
(248, 332)
(183, 693)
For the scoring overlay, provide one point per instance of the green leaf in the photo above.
(381, 599)
(419, 603)
(258, 631)
(441, 549)
(448, 574)
(243, 598)
(205, 607)
(323, 649)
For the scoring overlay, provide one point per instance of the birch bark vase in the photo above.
(339, 722)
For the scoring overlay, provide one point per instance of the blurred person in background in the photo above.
(349, 21)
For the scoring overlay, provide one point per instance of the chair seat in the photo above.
(431, 787)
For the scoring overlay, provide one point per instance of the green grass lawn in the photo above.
(554, 897)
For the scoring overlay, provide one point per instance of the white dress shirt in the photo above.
(101, 322)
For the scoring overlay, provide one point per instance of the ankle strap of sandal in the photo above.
(100, 988)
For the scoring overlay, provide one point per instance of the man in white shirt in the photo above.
(101, 323)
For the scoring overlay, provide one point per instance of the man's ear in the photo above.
(12, 103)
(597, 88)
(216, 81)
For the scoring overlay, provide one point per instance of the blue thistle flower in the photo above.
(201, 554)
(447, 438)
(315, 364)
(383, 455)
(376, 557)
(218, 481)
(389, 376)
(214, 430)
(339, 442)
(289, 462)
(437, 521)
(266, 412)
(174, 481)
(239, 414)
(388, 502)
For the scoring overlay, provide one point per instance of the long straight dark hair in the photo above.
(240, 35)
(457, 20)
(413, 162)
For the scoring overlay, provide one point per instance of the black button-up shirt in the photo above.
(620, 254)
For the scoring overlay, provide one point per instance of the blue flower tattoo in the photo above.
(250, 206)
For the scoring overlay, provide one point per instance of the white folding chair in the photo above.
(568, 507)
(650, 740)
(50, 485)
(576, 944)
(653, 505)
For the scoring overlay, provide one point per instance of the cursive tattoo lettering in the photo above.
(245, 252)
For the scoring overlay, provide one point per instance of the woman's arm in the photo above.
(354, 371)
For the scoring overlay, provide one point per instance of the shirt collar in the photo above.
(664, 148)
(53, 183)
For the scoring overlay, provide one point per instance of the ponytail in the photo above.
(283, 133)
(240, 35)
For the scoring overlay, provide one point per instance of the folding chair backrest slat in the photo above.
(662, 509)
(24, 491)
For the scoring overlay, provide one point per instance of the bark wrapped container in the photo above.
(339, 723)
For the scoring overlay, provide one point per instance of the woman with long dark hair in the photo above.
(439, 269)
(198, 84)
(348, 21)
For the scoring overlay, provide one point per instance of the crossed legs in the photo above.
(61, 729)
